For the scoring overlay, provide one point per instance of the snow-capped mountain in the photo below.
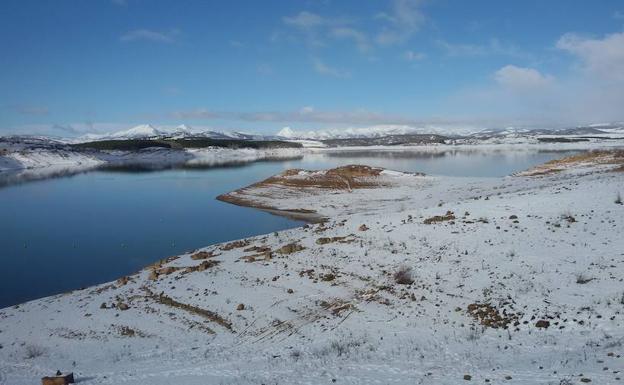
(141, 131)
(454, 131)
(147, 131)
(374, 132)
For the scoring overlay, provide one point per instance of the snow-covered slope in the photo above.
(514, 280)
(141, 131)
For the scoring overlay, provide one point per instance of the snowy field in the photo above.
(413, 279)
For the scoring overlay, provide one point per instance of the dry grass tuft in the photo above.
(449, 216)
(403, 276)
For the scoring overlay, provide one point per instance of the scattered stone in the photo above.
(542, 324)
(203, 255)
(240, 307)
(363, 228)
(489, 316)
(58, 379)
(328, 277)
(403, 276)
(467, 377)
(235, 245)
(290, 248)
(449, 216)
(123, 306)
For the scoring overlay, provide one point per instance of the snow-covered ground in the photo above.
(432, 280)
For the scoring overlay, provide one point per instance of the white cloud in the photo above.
(360, 39)
(309, 114)
(324, 69)
(397, 25)
(602, 57)
(264, 69)
(492, 47)
(149, 35)
(404, 19)
(198, 113)
(304, 20)
(521, 78)
(414, 56)
(64, 130)
(306, 110)
(591, 90)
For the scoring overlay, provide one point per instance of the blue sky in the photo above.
(70, 67)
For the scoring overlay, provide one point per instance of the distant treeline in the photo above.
(139, 144)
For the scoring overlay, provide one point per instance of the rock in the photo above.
(167, 270)
(328, 277)
(542, 324)
(513, 217)
(585, 379)
(123, 306)
(202, 255)
(290, 291)
(467, 377)
(123, 281)
(59, 379)
(323, 241)
(240, 307)
(153, 276)
(363, 228)
(205, 265)
(290, 248)
(103, 305)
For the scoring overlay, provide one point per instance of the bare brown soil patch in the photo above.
(210, 315)
(336, 306)
(449, 216)
(235, 245)
(203, 255)
(326, 240)
(585, 159)
(290, 248)
(489, 316)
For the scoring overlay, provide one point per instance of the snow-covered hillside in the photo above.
(414, 279)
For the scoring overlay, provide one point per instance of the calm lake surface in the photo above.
(70, 232)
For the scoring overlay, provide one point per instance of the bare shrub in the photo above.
(341, 347)
(582, 279)
(567, 216)
(403, 276)
(295, 355)
(33, 351)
